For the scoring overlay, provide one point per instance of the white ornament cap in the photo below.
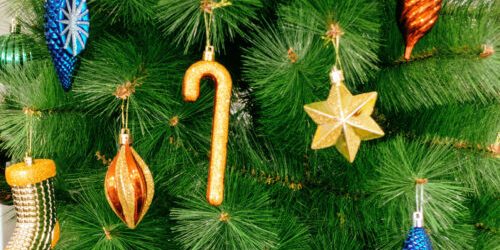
(336, 76)
(418, 219)
(28, 160)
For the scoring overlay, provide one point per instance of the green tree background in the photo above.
(440, 112)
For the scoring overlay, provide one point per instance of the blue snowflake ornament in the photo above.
(67, 25)
(417, 239)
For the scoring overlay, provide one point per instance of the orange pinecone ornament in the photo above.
(417, 17)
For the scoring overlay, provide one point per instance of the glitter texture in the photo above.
(66, 31)
(129, 186)
(21, 174)
(417, 18)
(191, 91)
(34, 203)
(344, 121)
(417, 240)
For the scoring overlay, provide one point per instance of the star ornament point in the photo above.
(344, 120)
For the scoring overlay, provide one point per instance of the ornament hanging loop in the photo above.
(334, 34)
(124, 117)
(125, 137)
(15, 27)
(208, 7)
(209, 54)
(30, 113)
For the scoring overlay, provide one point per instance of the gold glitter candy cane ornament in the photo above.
(191, 91)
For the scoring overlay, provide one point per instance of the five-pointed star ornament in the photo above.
(343, 119)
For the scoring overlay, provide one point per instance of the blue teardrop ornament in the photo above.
(417, 239)
(67, 24)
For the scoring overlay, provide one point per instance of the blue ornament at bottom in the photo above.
(417, 239)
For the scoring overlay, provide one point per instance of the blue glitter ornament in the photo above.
(67, 25)
(417, 239)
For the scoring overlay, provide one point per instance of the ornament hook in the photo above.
(209, 53)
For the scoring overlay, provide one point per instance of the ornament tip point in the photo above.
(408, 51)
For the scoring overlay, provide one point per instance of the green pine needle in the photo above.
(358, 19)
(244, 221)
(480, 172)
(141, 60)
(457, 122)
(130, 12)
(35, 87)
(446, 68)
(286, 70)
(398, 166)
(293, 234)
(184, 21)
(185, 126)
(93, 225)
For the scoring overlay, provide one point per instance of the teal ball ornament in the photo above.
(16, 49)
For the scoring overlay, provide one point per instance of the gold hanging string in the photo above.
(208, 6)
(123, 113)
(208, 26)
(29, 151)
(30, 113)
(124, 117)
(333, 35)
(127, 113)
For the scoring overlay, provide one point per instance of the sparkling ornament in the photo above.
(16, 48)
(67, 24)
(34, 202)
(129, 185)
(191, 91)
(417, 17)
(343, 119)
(417, 238)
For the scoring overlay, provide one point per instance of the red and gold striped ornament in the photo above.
(416, 18)
(129, 184)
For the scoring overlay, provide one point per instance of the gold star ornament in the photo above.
(344, 120)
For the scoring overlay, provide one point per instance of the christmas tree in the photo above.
(121, 64)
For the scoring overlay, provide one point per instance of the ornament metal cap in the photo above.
(125, 137)
(15, 27)
(336, 76)
(28, 160)
(209, 54)
(418, 219)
